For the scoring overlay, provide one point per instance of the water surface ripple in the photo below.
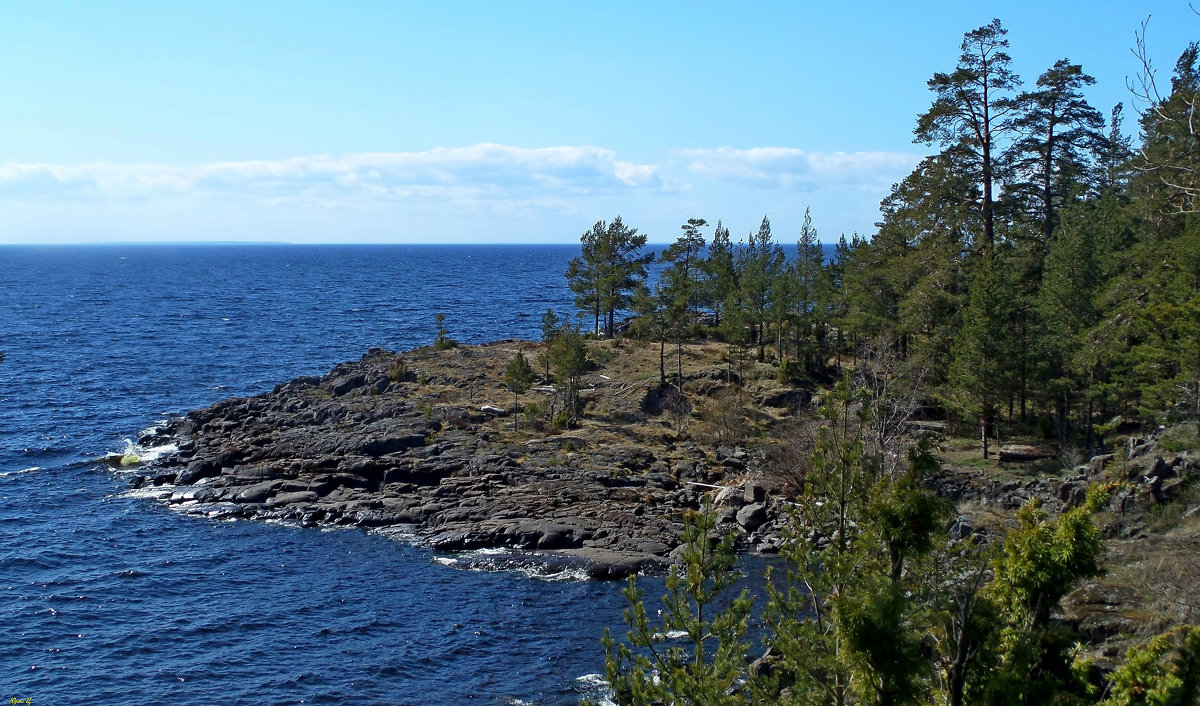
(107, 597)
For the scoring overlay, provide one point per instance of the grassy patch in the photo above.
(1180, 438)
(964, 452)
(1169, 516)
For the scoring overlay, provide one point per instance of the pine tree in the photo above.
(758, 267)
(1170, 150)
(720, 275)
(567, 353)
(1163, 672)
(979, 372)
(971, 109)
(518, 377)
(809, 271)
(1059, 135)
(1113, 159)
(1041, 562)
(711, 669)
(736, 334)
(911, 284)
(681, 289)
(608, 271)
(845, 625)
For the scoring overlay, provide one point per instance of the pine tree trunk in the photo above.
(1091, 437)
(679, 363)
(983, 433)
(989, 226)
(662, 358)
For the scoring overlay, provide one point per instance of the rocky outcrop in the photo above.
(356, 448)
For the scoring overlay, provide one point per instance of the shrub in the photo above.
(441, 341)
(398, 370)
(533, 412)
(790, 372)
(723, 420)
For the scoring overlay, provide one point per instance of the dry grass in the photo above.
(470, 377)
(1165, 571)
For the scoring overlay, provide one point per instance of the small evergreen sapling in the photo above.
(441, 341)
(708, 665)
(518, 376)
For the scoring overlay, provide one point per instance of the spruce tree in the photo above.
(758, 266)
(979, 373)
(711, 668)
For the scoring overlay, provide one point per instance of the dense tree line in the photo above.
(1037, 272)
(874, 606)
(1040, 271)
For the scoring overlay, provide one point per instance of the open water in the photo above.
(109, 598)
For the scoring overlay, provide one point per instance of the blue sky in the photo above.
(491, 121)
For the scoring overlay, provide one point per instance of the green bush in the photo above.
(790, 372)
(601, 355)
(533, 412)
(398, 371)
(441, 341)
(1179, 439)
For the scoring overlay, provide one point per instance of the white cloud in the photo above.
(790, 168)
(480, 192)
(482, 171)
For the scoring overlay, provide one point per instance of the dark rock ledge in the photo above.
(357, 448)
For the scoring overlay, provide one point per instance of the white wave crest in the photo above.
(595, 688)
(136, 454)
(31, 469)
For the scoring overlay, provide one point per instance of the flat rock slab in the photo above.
(1023, 452)
(606, 564)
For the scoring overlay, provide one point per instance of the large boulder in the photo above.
(752, 515)
(196, 470)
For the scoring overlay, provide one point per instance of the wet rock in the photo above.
(257, 493)
(300, 497)
(605, 564)
(205, 468)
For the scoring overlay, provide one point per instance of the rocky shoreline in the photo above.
(430, 451)
(420, 445)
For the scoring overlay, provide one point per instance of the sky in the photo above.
(497, 122)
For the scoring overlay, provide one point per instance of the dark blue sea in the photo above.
(109, 598)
